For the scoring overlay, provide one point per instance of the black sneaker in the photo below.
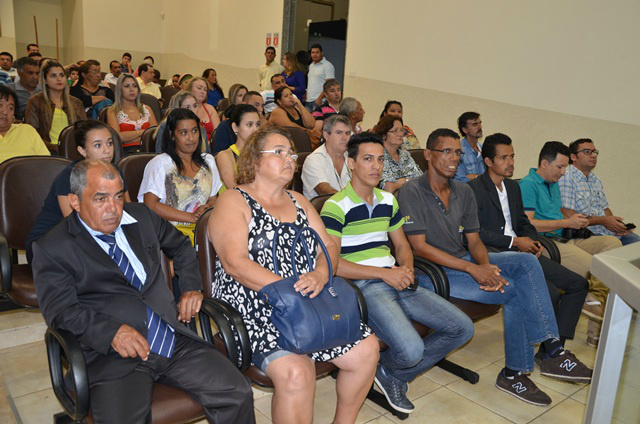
(523, 388)
(395, 392)
(566, 367)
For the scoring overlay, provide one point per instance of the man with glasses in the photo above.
(325, 170)
(583, 192)
(543, 205)
(439, 213)
(471, 165)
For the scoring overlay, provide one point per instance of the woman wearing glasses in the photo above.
(243, 227)
(399, 166)
(181, 183)
(88, 89)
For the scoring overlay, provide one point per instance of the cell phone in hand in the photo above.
(630, 226)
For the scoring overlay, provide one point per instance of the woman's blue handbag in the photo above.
(307, 325)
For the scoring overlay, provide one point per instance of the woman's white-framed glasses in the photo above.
(283, 153)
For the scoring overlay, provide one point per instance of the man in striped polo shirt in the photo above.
(361, 218)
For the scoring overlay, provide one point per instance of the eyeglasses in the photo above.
(449, 152)
(589, 152)
(282, 153)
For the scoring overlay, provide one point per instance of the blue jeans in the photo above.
(629, 238)
(528, 313)
(390, 315)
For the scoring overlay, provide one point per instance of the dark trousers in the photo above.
(198, 369)
(567, 305)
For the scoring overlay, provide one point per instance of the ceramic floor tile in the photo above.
(380, 420)
(486, 347)
(444, 406)
(582, 395)
(38, 407)
(22, 335)
(20, 318)
(6, 412)
(324, 406)
(25, 370)
(627, 408)
(486, 394)
(567, 411)
(441, 376)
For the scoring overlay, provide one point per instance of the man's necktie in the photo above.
(160, 335)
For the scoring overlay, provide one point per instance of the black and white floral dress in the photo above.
(255, 313)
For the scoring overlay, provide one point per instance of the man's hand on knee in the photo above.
(489, 278)
(130, 344)
(189, 306)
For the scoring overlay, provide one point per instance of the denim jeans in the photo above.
(390, 315)
(528, 313)
(629, 238)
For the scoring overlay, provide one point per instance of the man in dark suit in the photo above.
(98, 275)
(505, 226)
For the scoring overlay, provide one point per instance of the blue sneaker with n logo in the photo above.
(523, 388)
(566, 367)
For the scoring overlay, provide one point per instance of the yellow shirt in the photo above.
(58, 123)
(235, 150)
(21, 140)
(151, 88)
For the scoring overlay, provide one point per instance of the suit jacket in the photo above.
(490, 212)
(82, 290)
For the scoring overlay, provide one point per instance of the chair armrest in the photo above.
(436, 273)
(362, 303)
(62, 345)
(231, 328)
(5, 265)
(550, 246)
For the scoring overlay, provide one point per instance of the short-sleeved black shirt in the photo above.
(425, 213)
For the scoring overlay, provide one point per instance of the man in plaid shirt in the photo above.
(582, 192)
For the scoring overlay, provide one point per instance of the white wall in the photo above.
(573, 56)
(537, 71)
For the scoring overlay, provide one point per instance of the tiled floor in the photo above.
(439, 397)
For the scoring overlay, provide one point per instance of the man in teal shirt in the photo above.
(542, 202)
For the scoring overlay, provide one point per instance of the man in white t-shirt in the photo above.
(112, 77)
(320, 70)
(325, 170)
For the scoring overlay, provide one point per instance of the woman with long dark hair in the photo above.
(181, 183)
(51, 110)
(215, 93)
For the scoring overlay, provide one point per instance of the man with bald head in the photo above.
(98, 275)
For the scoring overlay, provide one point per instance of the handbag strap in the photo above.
(298, 238)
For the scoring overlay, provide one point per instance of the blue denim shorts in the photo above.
(263, 359)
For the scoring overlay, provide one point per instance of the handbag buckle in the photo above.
(335, 317)
(332, 292)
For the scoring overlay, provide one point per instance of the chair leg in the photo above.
(63, 418)
(379, 399)
(464, 373)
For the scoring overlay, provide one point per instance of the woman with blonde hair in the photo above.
(209, 119)
(243, 227)
(53, 109)
(128, 116)
(293, 76)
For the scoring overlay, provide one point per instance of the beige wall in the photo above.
(184, 36)
(7, 27)
(537, 71)
(46, 12)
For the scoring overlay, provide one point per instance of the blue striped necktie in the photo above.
(160, 335)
